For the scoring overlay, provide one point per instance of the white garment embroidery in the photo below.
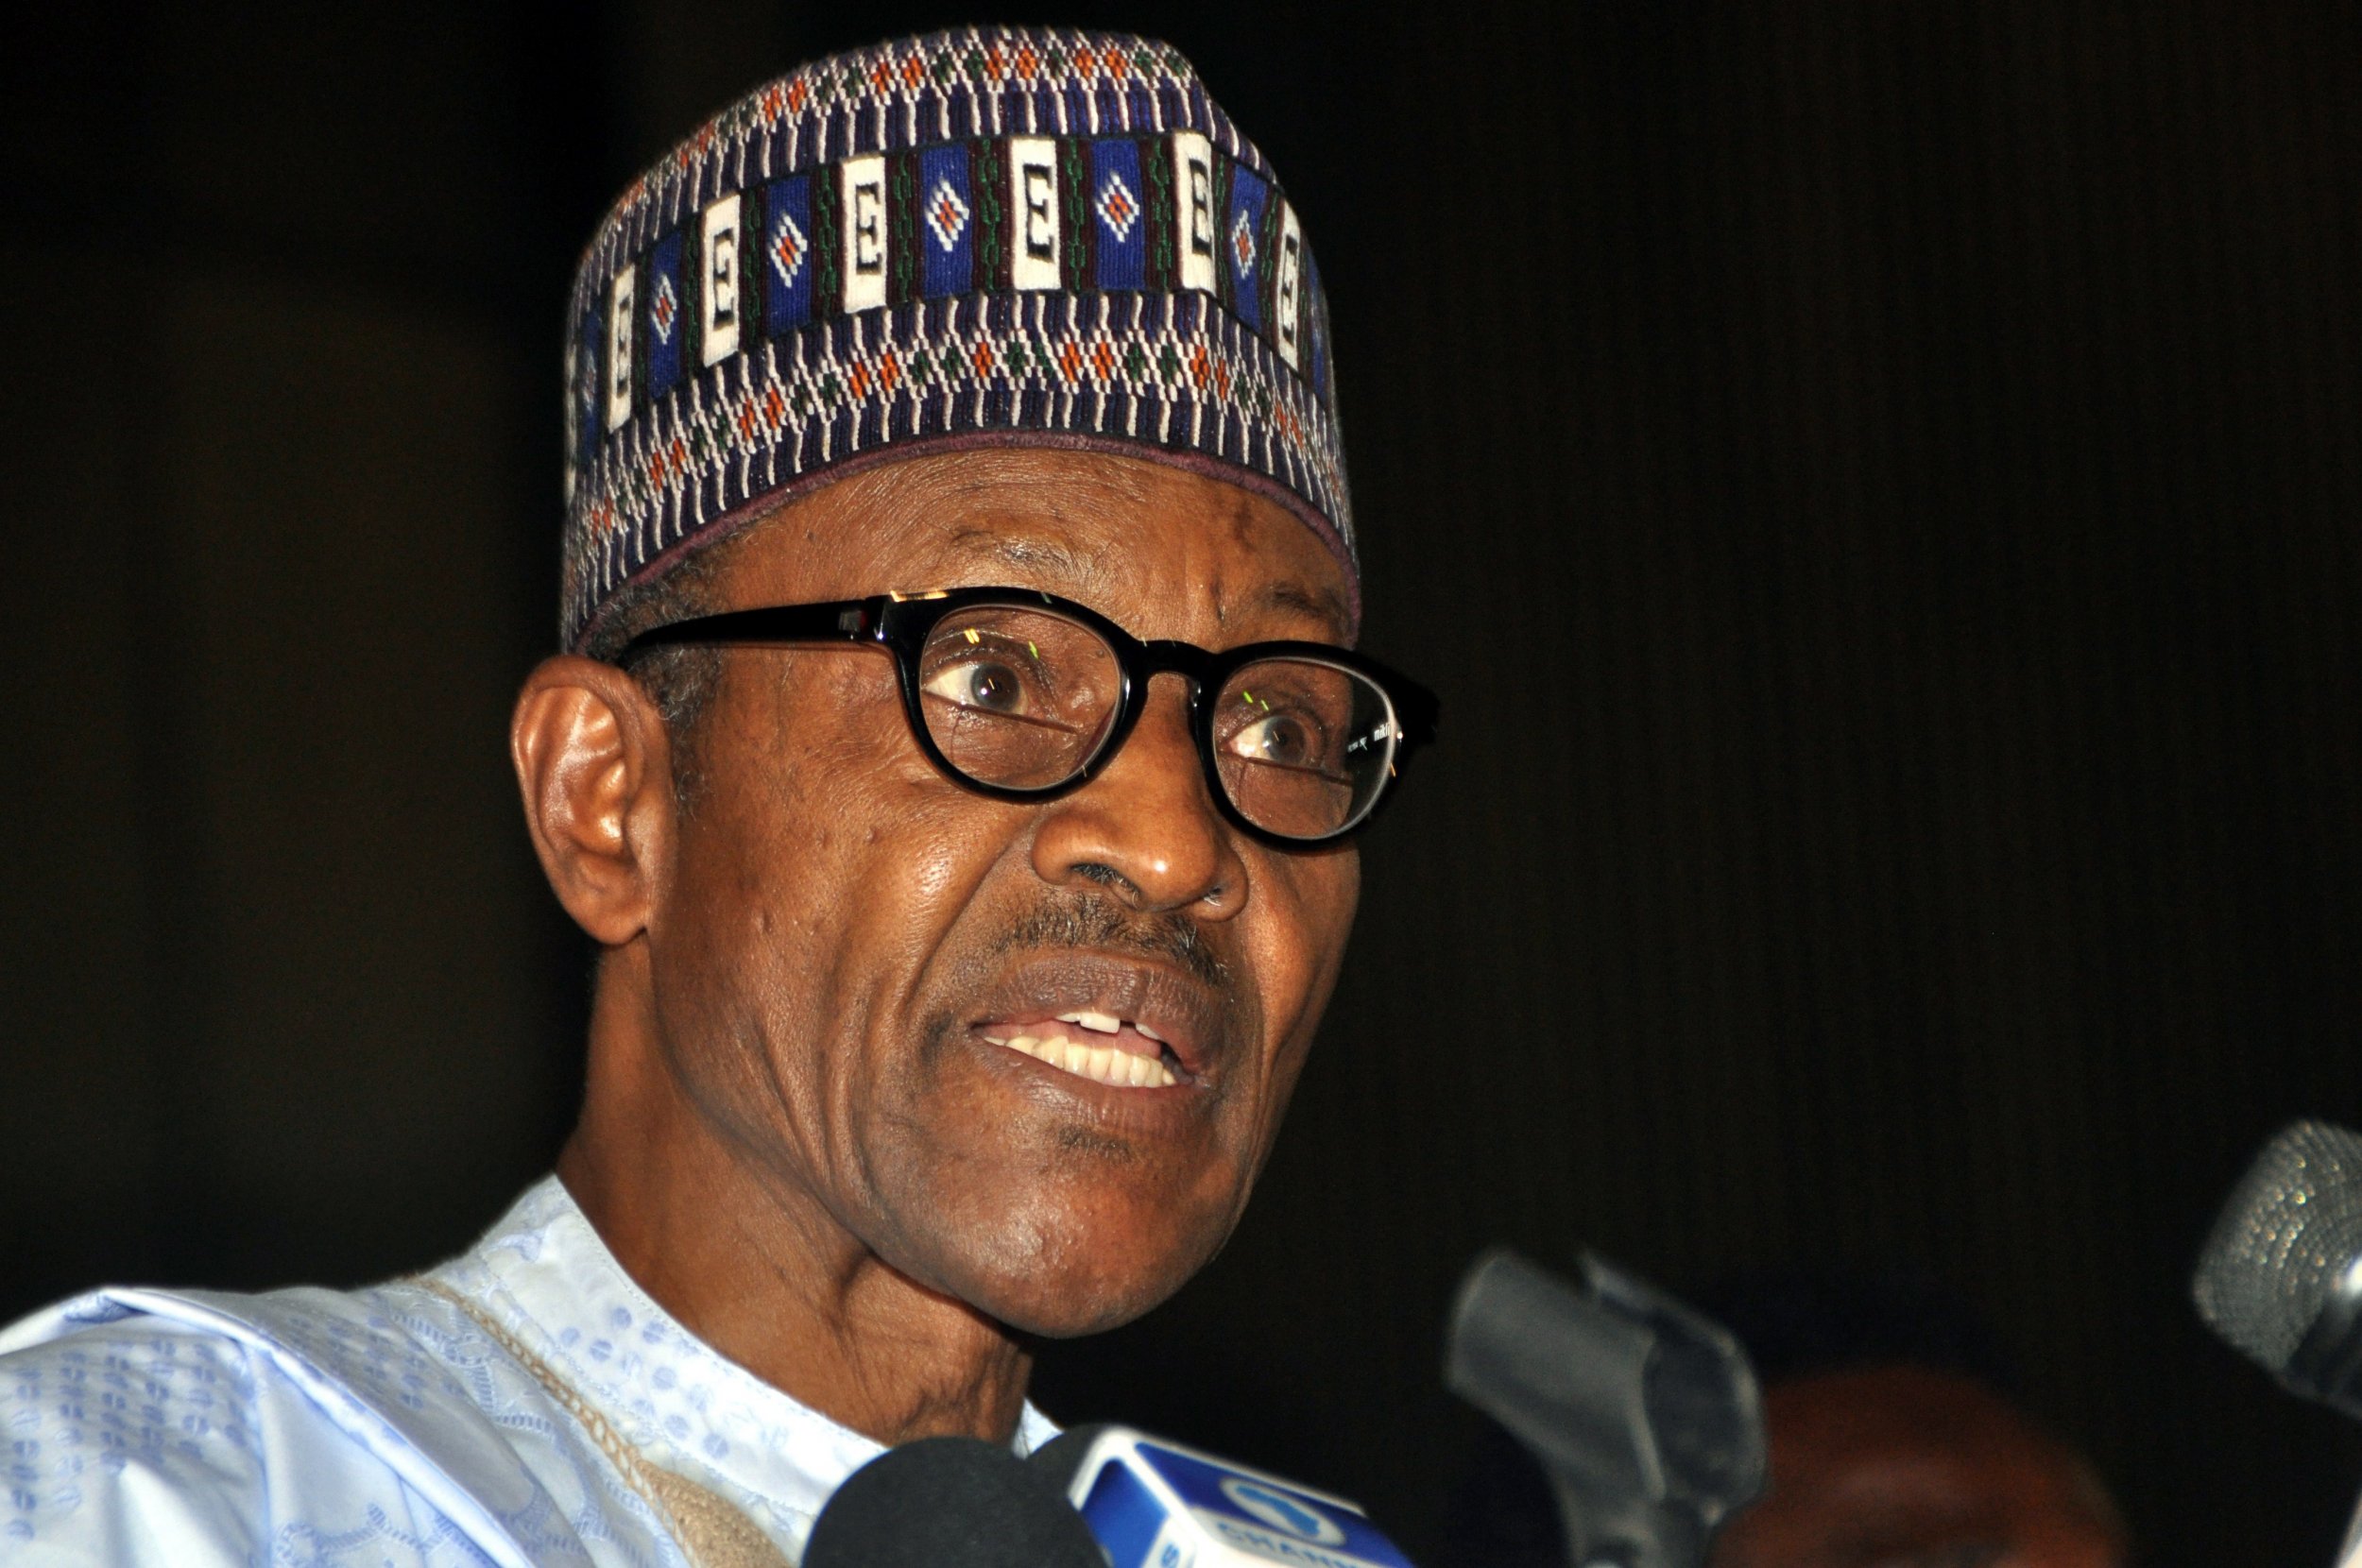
(385, 1428)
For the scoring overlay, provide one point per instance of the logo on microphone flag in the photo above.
(1152, 1505)
(1281, 1511)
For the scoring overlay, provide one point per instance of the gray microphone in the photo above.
(2281, 1277)
(1643, 1413)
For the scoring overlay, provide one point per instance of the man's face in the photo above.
(846, 932)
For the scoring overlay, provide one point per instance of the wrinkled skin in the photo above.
(1909, 1467)
(796, 1137)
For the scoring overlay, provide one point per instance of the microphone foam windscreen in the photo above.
(2289, 1230)
(949, 1502)
(1056, 1460)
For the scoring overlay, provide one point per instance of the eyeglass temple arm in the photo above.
(849, 620)
(1416, 709)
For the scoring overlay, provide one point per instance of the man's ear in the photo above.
(594, 765)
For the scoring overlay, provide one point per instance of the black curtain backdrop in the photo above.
(1875, 484)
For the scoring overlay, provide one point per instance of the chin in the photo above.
(1050, 1314)
(1067, 1286)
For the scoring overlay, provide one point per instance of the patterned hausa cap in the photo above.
(989, 236)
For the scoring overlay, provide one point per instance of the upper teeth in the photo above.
(1100, 1063)
(1107, 1023)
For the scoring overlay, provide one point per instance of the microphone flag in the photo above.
(1153, 1504)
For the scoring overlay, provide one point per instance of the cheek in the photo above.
(796, 866)
(828, 790)
(1302, 913)
(873, 857)
(1305, 909)
(941, 866)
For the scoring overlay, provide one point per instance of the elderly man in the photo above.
(954, 759)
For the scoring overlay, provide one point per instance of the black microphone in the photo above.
(2281, 1277)
(1057, 1460)
(949, 1502)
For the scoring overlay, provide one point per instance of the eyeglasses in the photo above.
(1020, 695)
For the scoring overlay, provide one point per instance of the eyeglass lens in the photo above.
(1024, 698)
(1018, 698)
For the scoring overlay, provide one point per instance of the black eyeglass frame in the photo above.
(900, 623)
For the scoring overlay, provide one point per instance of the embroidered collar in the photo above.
(544, 1275)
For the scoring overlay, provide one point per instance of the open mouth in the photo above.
(1119, 1053)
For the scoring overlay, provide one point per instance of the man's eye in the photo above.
(1280, 738)
(980, 683)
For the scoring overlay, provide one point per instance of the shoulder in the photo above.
(160, 1428)
(102, 1407)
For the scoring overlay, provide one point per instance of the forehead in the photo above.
(1165, 551)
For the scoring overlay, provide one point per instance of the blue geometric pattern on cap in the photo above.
(985, 237)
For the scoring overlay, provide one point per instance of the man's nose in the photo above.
(1147, 828)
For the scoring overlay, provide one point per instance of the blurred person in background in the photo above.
(1893, 1445)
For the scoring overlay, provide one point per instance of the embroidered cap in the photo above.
(989, 236)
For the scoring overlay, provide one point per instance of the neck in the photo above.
(751, 1263)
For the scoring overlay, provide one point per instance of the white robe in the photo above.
(524, 1403)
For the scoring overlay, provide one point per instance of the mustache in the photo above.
(1089, 920)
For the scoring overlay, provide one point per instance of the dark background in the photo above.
(1875, 484)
